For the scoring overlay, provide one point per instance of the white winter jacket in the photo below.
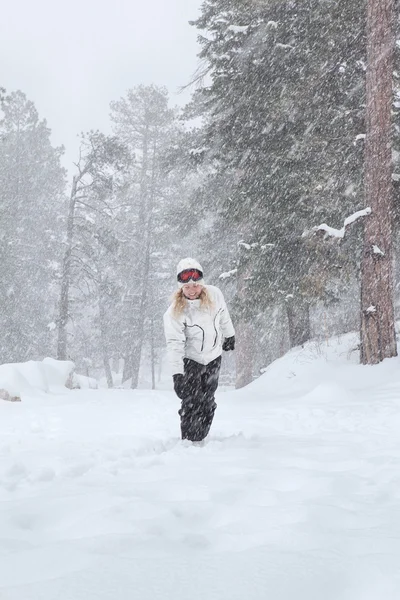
(198, 332)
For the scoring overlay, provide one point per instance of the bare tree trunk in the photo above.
(377, 314)
(143, 309)
(298, 314)
(107, 368)
(160, 367)
(103, 337)
(130, 307)
(153, 355)
(134, 344)
(244, 351)
(137, 351)
(66, 277)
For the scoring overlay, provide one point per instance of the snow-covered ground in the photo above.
(295, 495)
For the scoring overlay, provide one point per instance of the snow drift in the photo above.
(35, 377)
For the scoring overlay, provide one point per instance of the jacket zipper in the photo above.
(216, 332)
(202, 344)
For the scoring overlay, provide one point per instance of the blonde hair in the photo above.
(179, 301)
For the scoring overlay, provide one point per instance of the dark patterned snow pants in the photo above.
(198, 406)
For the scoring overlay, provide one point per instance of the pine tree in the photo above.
(146, 124)
(282, 112)
(31, 192)
(89, 211)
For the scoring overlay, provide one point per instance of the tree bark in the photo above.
(377, 333)
(147, 217)
(139, 338)
(298, 314)
(103, 337)
(153, 355)
(134, 343)
(244, 350)
(62, 341)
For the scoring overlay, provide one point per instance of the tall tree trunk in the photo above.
(298, 315)
(244, 353)
(139, 338)
(103, 337)
(153, 355)
(147, 229)
(135, 319)
(377, 314)
(66, 277)
(244, 350)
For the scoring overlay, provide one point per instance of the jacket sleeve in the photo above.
(226, 322)
(175, 337)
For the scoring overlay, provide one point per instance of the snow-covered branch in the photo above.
(238, 28)
(228, 274)
(255, 245)
(339, 233)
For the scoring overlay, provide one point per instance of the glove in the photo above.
(179, 385)
(229, 344)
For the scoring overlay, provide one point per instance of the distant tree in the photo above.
(101, 158)
(32, 184)
(145, 123)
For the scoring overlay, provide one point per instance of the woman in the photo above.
(197, 328)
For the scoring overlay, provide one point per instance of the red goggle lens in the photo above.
(190, 274)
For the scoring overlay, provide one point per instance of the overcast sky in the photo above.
(73, 57)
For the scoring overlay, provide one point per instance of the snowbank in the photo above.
(82, 382)
(35, 377)
(331, 363)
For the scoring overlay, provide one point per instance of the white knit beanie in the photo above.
(189, 263)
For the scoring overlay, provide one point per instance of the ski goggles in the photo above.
(190, 274)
